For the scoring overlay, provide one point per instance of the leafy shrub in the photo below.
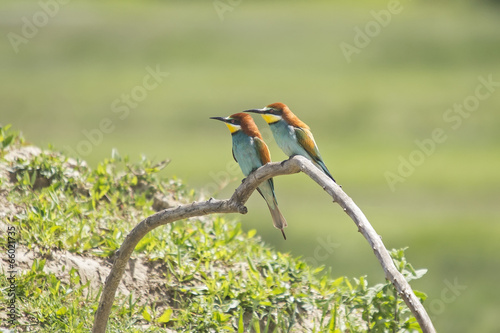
(210, 275)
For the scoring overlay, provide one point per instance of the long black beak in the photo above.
(219, 118)
(260, 111)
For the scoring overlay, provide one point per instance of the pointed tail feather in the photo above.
(278, 219)
(284, 236)
(266, 189)
(325, 169)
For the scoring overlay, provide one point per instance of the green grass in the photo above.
(212, 276)
(363, 114)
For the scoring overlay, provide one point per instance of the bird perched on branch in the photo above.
(291, 134)
(251, 152)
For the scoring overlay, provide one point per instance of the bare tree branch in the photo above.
(236, 204)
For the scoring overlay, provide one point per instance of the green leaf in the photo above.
(318, 269)
(143, 243)
(331, 325)
(221, 317)
(7, 141)
(250, 263)
(38, 265)
(55, 229)
(251, 233)
(420, 272)
(337, 282)
(421, 295)
(146, 315)
(33, 178)
(165, 317)
(256, 325)
(62, 311)
(241, 325)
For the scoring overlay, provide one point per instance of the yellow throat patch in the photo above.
(233, 128)
(271, 118)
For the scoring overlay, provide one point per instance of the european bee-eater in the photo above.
(292, 135)
(251, 152)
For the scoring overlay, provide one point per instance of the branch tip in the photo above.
(242, 209)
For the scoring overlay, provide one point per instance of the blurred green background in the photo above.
(73, 70)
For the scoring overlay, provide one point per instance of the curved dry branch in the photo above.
(236, 204)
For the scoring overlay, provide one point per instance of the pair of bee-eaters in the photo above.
(251, 152)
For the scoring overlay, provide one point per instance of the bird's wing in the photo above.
(306, 140)
(262, 150)
(232, 150)
(265, 157)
